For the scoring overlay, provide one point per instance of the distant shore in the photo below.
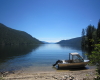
(89, 74)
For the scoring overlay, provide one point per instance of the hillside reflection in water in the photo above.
(38, 57)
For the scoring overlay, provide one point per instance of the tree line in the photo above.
(90, 37)
(91, 43)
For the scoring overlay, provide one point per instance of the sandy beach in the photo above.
(87, 74)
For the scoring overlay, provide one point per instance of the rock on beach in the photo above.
(62, 75)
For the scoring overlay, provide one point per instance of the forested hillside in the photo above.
(74, 41)
(91, 37)
(10, 36)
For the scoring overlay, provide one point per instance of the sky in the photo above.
(50, 20)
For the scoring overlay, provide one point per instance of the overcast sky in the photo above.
(50, 20)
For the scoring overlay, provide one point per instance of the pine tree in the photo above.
(98, 32)
(83, 38)
(89, 34)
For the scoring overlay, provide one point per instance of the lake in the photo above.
(34, 57)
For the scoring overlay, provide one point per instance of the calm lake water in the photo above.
(34, 58)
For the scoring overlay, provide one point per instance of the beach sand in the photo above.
(87, 74)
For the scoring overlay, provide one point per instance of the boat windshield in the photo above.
(77, 58)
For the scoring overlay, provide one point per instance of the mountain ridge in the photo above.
(73, 41)
(9, 36)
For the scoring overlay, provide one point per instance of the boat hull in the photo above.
(72, 65)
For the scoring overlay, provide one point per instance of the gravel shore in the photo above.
(89, 74)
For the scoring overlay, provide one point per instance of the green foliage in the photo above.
(92, 46)
(89, 31)
(89, 34)
(83, 38)
(95, 56)
(98, 29)
(89, 38)
(10, 36)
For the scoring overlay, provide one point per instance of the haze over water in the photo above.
(34, 58)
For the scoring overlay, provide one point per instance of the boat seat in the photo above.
(64, 61)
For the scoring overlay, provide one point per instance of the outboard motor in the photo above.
(59, 61)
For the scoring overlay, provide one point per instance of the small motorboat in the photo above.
(75, 61)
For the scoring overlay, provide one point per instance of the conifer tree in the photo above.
(89, 34)
(98, 32)
(83, 38)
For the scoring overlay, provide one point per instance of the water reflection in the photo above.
(76, 47)
(9, 52)
(34, 57)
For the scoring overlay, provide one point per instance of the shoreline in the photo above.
(89, 74)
